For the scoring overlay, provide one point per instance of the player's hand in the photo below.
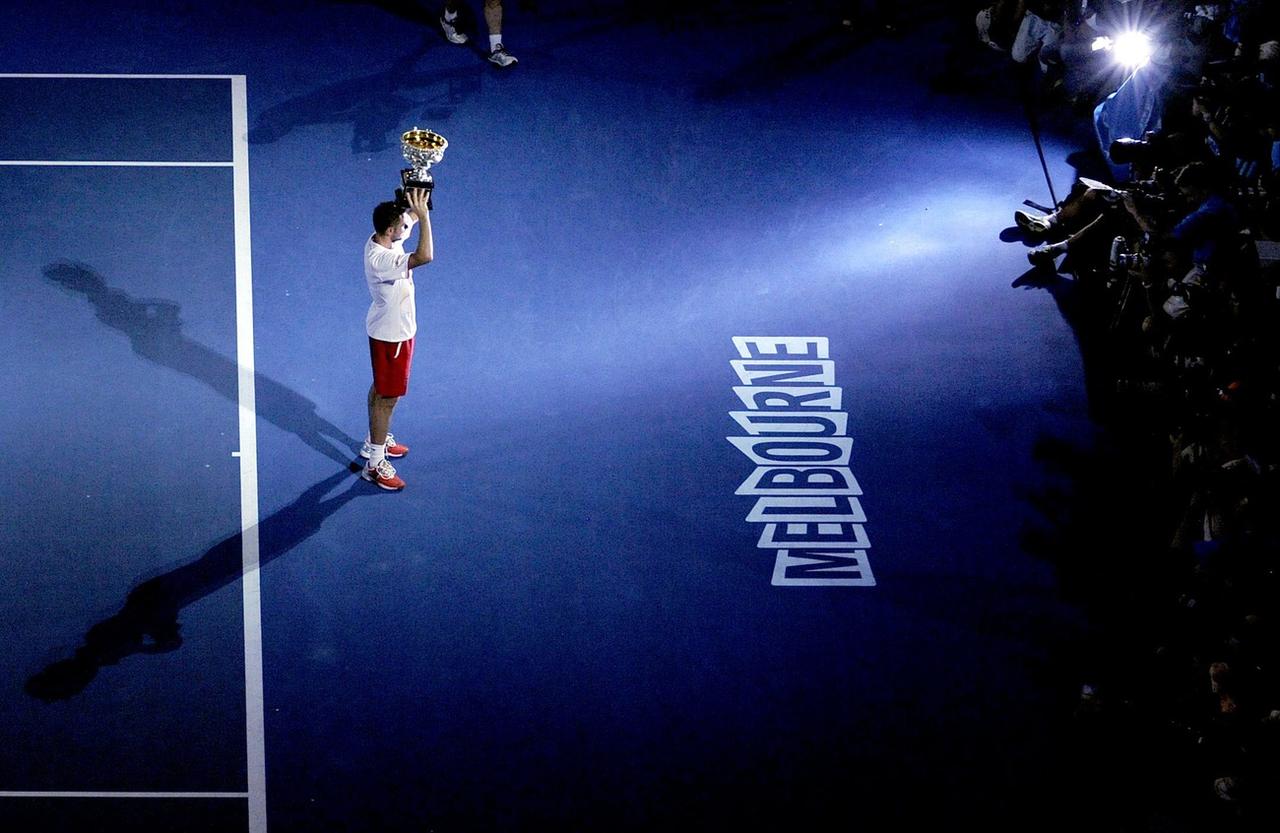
(418, 201)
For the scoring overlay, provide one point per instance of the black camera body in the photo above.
(1124, 259)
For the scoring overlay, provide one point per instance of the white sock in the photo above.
(494, 42)
(377, 453)
(450, 16)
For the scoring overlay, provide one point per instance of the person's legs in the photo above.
(498, 54)
(391, 364)
(1091, 242)
(1077, 213)
(449, 23)
(493, 17)
(378, 470)
(380, 409)
(1082, 206)
(1092, 236)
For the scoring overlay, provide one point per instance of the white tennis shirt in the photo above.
(392, 315)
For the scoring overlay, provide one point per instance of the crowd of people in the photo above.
(1172, 257)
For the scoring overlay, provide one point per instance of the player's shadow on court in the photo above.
(148, 621)
(154, 329)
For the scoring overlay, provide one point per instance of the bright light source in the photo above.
(1132, 49)
(1101, 43)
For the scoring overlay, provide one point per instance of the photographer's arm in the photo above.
(1138, 216)
(1215, 120)
(426, 248)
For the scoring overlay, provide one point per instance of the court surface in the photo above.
(603, 602)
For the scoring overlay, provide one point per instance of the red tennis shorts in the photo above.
(391, 361)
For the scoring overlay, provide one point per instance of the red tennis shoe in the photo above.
(383, 476)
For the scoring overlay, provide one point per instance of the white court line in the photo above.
(114, 77)
(255, 720)
(36, 794)
(64, 163)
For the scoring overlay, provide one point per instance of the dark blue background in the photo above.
(564, 620)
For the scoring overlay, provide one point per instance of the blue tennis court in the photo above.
(722, 421)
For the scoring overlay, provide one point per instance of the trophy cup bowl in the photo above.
(421, 149)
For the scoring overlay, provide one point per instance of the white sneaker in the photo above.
(1039, 225)
(499, 56)
(451, 33)
(394, 449)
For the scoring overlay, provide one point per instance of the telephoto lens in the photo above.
(1126, 151)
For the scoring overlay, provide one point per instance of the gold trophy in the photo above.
(421, 149)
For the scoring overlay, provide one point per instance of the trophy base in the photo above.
(408, 180)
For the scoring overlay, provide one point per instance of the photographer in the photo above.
(1209, 230)
(392, 324)
(1091, 217)
(1149, 158)
(1201, 255)
(1263, 193)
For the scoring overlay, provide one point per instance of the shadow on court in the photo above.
(374, 104)
(808, 55)
(148, 622)
(154, 328)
